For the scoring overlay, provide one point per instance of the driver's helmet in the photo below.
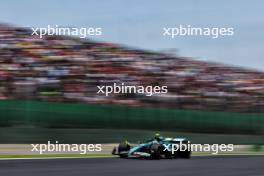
(158, 137)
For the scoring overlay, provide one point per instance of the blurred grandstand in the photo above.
(65, 69)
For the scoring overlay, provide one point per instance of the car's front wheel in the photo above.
(184, 154)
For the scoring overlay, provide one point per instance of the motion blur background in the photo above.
(48, 86)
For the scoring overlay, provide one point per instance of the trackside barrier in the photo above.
(81, 115)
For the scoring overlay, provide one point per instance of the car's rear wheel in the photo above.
(123, 149)
(155, 151)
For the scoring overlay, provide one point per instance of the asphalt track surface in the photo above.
(197, 166)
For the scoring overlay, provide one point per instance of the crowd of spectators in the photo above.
(65, 69)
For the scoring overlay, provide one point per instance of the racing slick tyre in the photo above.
(185, 154)
(123, 149)
(168, 155)
(155, 151)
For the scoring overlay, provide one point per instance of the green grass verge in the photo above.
(14, 156)
(53, 155)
